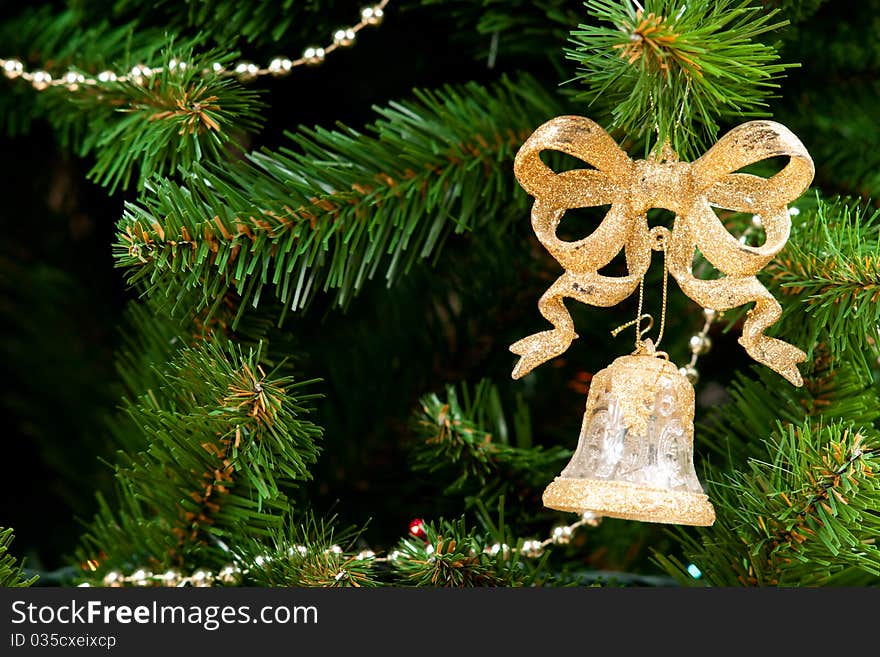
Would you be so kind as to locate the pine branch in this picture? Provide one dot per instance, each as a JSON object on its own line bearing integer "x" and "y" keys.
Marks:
{"x": 11, "y": 573}
{"x": 470, "y": 438}
{"x": 229, "y": 22}
{"x": 167, "y": 123}
{"x": 452, "y": 555}
{"x": 148, "y": 357}
{"x": 150, "y": 343}
{"x": 804, "y": 515}
{"x": 58, "y": 42}
{"x": 671, "y": 72}
{"x": 176, "y": 116}
{"x": 223, "y": 441}
{"x": 841, "y": 130}
{"x": 306, "y": 552}
{"x": 330, "y": 213}
{"x": 150, "y": 337}
{"x": 757, "y": 403}
{"x": 830, "y": 270}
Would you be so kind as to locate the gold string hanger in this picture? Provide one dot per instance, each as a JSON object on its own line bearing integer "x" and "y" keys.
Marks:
{"x": 660, "y": 239}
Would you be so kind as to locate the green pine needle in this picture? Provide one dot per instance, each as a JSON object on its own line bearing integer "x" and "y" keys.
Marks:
{"x": 230, "y": 22}
{"x": 465, "y": 437}
{"x": 829, "y": 274}
{"x": 304, "y": 551}
{"x": 169, "y": 122}
{"x": 223, "y": 442}
{"x": 330, "y": 213}
{"x": 11, "y": 575}
{"x": 452, "y": 555}
{"x": 803, "y": 514}
{"x": 672, "y": 72}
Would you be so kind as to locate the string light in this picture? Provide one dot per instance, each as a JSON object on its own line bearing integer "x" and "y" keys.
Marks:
{"x": 231, "y": 575}
{"x": 343, "y": 37}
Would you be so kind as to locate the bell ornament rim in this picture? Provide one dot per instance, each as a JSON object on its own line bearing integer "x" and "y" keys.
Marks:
{"x": 628, "y": 501}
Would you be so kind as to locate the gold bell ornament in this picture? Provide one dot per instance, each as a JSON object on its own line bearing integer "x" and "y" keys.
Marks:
{"x": 634, "y": 457}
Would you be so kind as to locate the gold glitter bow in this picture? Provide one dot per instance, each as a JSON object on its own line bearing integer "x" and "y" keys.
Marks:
{"x": 687, "y": 189}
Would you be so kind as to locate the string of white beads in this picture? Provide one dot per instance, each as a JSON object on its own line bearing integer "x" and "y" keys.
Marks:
{"x": 699, "y": 344}
{"x": 231, "y": 575}
{"x": 140, "y": 74}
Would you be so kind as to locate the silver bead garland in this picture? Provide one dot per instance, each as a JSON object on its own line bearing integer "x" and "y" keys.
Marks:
{"x": 343, "y": 37}
{"x": 231, "y": 575}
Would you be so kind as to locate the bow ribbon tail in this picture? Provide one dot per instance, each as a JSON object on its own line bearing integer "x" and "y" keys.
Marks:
{"x": 779, "y": 356}
{"x": 740, "y": 285}
{"x": 732, "y": 292}
{"x": 589, "y": 288}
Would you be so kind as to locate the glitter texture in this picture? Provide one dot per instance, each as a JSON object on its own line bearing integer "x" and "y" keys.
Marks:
{"x": 634, "y": 458}
{"x": 690, "y": 190}
{"x": 620, "y": 499}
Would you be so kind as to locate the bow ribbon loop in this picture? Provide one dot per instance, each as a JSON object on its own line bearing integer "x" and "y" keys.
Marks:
{"x": 748, "y": 144}
{"x": 690, "y": 190}
{"x": 579, "y": 188}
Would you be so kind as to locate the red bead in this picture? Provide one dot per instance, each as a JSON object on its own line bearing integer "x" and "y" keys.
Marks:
{"x": 417, "y": 528}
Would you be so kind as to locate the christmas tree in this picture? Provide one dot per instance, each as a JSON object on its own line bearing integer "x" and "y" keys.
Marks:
{"x": 263, "y": 265}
